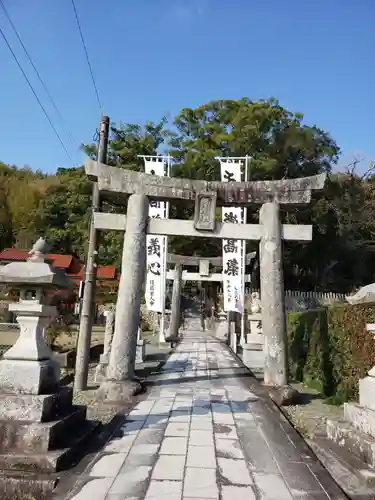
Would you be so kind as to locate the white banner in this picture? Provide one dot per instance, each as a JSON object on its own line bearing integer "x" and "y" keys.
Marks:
{"x": 233, "y": 272}
{"x": 156, "y": 245}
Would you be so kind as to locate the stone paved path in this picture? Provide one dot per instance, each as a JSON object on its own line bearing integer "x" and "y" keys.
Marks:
{"x": 201, "y": 434}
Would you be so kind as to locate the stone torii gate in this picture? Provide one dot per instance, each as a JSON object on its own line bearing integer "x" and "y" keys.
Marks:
{"x": 120, "y": 383}
{"x": 204, "y": 275}
{"x": 203, "y": 263}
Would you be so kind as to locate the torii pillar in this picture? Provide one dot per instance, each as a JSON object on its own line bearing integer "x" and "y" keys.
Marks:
{"x": 272, "y": 297}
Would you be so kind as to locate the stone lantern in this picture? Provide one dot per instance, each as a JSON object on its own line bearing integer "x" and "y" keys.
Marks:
{"x": 41, "y": 431}
{"x": 28, "y": 367}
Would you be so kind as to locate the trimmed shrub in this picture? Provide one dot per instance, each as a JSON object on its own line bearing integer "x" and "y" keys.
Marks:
{"x": 330, "y": 349}
{"x": 352, "y": 347}
{"x": 309, "y": 359}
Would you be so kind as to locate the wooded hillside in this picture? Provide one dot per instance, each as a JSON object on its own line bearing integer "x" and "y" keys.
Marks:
{"x": 341, "y": 254}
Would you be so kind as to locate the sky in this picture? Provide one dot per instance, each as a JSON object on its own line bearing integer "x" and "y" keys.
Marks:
{"x": 154, "y": 57}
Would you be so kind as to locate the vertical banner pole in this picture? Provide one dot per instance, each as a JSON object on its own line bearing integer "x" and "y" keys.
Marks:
{"x": 157, "y": 246}
{"x": 232, "y": 249}
{"x": 234, "y": 252}
{"x": 164, "y": 276}
{"x": 243, "y": 340}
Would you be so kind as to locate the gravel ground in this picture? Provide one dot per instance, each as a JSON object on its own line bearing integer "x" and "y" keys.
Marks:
{"x": 155, "y": 356}
{"x": 310, "y": 417}
{"x": 104, "y": 413}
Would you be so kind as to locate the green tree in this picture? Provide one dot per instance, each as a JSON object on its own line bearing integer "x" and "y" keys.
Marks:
{"x": 6, "y": 235}
{"x": 64, "y": 213}
{"x": 128, "y": 141}
{"x": 22, "y": 191}
{"x": 341, "y": 254}
{"x": 279, "y": 143}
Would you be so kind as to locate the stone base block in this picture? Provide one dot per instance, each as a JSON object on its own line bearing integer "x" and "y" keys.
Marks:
{"x": 255, "y": 338}
{"x": 54, "y": 460}
{"x": 104, "y": 359}
{"x": 360, "y": 444}
{"x": 255, "y": 327}
{"x": 362, "y": 419}
{"x": 35, "y": 408}
{"x": 23, "y": 485}
{"x": 40, "y": 437}
{"x": 253, "y": 356}
{"x": 367, "y": 392}
{"x": 141, "y": 352}
{"x": 100, "y": 372}
{"x": 29, "y": 377}
{"x": 118, "y": 393}
{"x": 355, "y": 477}
{"x": 221, "y": 330}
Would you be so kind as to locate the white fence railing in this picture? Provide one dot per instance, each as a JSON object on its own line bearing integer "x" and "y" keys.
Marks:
{"x": 9, "y": 327}
{"x": 296, "y": 300}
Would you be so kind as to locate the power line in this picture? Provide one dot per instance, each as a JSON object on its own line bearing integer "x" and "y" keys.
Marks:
{"x": 35, "y": 95}
{"x": 37, "y": 72}
{"x": 87, "y": 57}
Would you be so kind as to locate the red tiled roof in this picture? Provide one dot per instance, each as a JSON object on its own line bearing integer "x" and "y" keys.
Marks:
{"x": 106, "y": 272}
{"x": 13, "y": 254}
{"x": 103, "y": 273}
{"x": 62, "y": 261}
{"x": 58, "y": 260}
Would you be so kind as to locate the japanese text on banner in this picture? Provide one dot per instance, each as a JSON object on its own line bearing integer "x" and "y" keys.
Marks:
{"x": 232, "y": 249}
{"x": 156, "y": 245}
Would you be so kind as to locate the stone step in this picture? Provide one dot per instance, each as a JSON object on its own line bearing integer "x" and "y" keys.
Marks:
{"x": 361, "y": 418}
{"x": 253, "y": 346}
{"x": 355, "y": 477}
{"x": 51, "y": 461}
{"x": 345, "y": 435}
{"x": 40, "y": 436}
{"x": 35, "y": 408}
{"x": 21, "y": 485}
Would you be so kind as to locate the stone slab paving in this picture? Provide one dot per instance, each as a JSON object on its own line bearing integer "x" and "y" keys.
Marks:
{"x": 202, "y": 434}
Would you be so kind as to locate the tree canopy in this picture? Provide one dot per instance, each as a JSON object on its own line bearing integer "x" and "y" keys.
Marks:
{"x": 280, "y": 145}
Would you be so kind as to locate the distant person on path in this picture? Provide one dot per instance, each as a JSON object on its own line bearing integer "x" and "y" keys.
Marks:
{"x": 182, "y": 318}
{"x": 202, "y": 311}
{"x": 183, "y": 306}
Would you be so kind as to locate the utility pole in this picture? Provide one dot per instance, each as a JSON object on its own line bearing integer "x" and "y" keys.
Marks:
{"x": 87, "y": 311}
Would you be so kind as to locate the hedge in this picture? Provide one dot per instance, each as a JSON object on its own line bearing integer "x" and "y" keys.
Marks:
{"x": 330, "y": 349}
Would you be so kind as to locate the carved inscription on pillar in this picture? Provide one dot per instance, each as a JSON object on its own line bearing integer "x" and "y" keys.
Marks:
{"x": 204, "y": 216}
